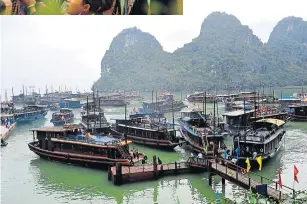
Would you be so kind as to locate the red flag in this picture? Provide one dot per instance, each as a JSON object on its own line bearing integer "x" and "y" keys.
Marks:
{"x": 279, "y": 178}
{"x": 295, "y": 174}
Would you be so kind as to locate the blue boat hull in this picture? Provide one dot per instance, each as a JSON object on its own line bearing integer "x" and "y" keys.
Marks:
{"x": 31, "y": 118}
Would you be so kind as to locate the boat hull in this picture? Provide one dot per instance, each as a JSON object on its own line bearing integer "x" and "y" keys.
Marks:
{"x": 61, "y": 122}
{"x": 298, "y": 118}
{"x": 159, "y": 144}
{"x": 77, "y": 159}
{"x": 31, "y": 118}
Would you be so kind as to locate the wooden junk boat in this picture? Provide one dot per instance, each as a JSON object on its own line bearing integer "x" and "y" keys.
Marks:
{"x": 148, "y": 131}
{"x": 164, "y": 104}
{"x": 62, "y": 117}
{"x": 67, "y": 144}
{"x": 263, "y": 139}
{"x": 201, "y": 133}
{"x": 95, "y": 121}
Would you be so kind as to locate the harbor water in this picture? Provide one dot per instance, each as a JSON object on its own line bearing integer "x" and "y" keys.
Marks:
{"x": 25, "y": 178}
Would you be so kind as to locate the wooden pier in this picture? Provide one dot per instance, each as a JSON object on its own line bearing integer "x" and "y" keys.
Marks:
{"x": 232, "y": 173}
{"x": 215, "y": 166}
{"x": 126, "y": 174}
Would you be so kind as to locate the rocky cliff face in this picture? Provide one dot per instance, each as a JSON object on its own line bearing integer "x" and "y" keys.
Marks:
{"x": 225, "y": 54}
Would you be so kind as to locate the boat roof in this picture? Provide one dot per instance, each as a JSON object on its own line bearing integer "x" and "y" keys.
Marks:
{"x": 297, "y": 105}
{"x": 68, "y": 109}
{"x": 6, "y": 115}
{"x": 65, "y": 128}
{"x": 101, "y": 144}
{"x": 272, "y": 121}
{"x": 190, "y": 110}
{"x": 237, "y": 113}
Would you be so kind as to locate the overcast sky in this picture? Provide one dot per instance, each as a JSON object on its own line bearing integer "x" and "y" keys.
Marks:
{"x": 59, "y": 50}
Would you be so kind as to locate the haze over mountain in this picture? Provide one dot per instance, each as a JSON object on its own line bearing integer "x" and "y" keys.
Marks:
{"x": 225, "y": 54}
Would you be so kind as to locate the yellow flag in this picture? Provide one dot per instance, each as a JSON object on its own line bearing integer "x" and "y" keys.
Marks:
{"x": 248, "y": 165}
{"x": 259, "y": 160}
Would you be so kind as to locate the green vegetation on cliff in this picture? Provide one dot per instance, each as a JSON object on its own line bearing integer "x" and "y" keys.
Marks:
{"x": 225, "y": 54}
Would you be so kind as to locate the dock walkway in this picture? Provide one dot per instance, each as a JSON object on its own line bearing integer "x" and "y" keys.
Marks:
{"x": 215, "y": 166}
{"x": 245, "y": 180}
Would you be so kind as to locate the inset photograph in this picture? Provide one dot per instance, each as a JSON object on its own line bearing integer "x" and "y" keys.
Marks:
{"x": 91, "y": 7}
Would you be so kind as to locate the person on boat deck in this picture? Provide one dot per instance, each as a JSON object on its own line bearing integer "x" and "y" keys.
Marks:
{"x": 2, "y": 141}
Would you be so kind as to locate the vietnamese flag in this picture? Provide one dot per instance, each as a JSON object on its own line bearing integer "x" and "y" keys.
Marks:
{"x": 295, "y": 174}
{"x": 279, "y": 178}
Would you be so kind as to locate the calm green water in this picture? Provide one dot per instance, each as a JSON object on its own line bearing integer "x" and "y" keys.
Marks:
{"x": 25, "y": 178}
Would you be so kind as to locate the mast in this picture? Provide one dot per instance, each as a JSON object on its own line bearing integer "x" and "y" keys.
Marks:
{"x": 205, "y": 103}
{"x": 255, "y": 104}
{"x": 214, "y": 117}
{"x": 6, "y": 99}
{"x": 12, "y": 92}
{"x": 94, "y": 101}
{"x": 173, "y": 115}
{"x": 217, "y": 113}
{"x": 152, "y": 100}
{"x": 87, "y": 113}
{"x": 244, "y": 126}
{"x": 181, "y": 95}
{"x": 262, "y": 94}
{"x": 99, "y": 113}
{"x": 156, "y": 102}
{"x": 273, "y": 96}
{"x": 125, "y": 112}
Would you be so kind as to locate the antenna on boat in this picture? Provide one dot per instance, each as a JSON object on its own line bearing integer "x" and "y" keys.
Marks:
{"x": 273, "y": 96}
{"x": 204, "y": 104}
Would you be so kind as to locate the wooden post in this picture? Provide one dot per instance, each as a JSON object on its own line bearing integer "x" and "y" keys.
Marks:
{"x": 226, "y": 169}
{"x": 249, "y": 182}
{"x": 155, "y": 166}
{"x": 176, "y": 168}
{"x": 276, "y": 185}
{"x": 279, "y": 195}
{"x": 223, "y": 181}
{"x": 261, "y": 180}
{"x": 109, "y": 173}
{"x": 118, "y": 177}
{"x": 293, "y": 194}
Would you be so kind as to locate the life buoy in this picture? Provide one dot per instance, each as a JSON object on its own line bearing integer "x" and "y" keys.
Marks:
{"x": 145, "y": 157}
{"x": 132, "y": 163}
